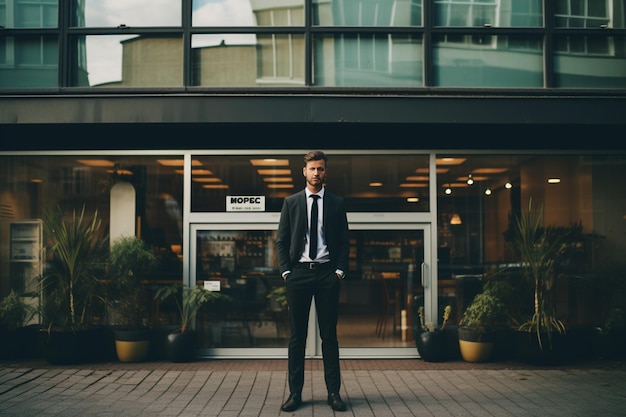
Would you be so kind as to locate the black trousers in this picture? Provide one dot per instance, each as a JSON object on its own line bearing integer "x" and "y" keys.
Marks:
{"x": 322, "y": 285}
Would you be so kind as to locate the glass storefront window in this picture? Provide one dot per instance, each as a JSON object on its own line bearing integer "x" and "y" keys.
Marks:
{"x": 368, "y": 60}
{"x": 487, "y": 61}
{"x": 369, "y": 184}
{"x": 127, "y": 61}
{"x": 492, "y": 13}
{"x": 590, "y": 62}
{"x": 579, "y": 194}
{"x": 248, "y": 60}
{"x": 367, "y": 13}
{"x": 123, "y": 13}
{"x": 29, "y": 62}
{"x": 33, "y": 184}
{"x": 247, "y": 13}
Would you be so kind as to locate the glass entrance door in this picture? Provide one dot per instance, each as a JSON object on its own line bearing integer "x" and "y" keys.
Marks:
{"x": 381, "y": 294}
{"x": 378, "y": 300}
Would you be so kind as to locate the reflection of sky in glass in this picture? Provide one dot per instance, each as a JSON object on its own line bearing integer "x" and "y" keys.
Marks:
{"x": 104, "y": 53}
{"x": 112, "y": 13}
{"x": 104, "y": 58}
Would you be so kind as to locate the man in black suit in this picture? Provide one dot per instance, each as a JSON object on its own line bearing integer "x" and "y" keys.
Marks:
{"x": 312, "y": 264}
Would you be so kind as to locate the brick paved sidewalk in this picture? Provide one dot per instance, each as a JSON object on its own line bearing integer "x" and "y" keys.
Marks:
{"x": 377, "y": 388}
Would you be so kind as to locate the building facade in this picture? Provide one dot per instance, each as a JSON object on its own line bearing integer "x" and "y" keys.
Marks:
{"x": 442, "y": 120}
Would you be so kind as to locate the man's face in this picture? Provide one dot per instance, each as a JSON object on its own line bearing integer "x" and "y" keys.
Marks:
{"x": 315, "y": 174}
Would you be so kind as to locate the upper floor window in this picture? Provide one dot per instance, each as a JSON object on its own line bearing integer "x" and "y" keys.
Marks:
{"x": 248, "y": 13}
{"x": 28, "y": 13}
{"x": 589, "y": 13}
{"x": 367, "y": 13}
{"x": 471, "y": 13}
{"x": 124, "y": 13}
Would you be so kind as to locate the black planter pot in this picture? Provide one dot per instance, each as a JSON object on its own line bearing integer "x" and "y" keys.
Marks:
{"x": 159, "y": 342}
{"x": 71, "y": 346}
{"x": 529, "y": 351}
{"x": 431, "y": 345}
{"x": 453, "y": 352}
{"x": 181, "y": 346}
{"x": 611, "y": 344}
{"x": 505, "y": 344}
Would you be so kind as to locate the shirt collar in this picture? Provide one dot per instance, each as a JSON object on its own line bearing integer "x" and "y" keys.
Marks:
{"x": 320, "y": 193}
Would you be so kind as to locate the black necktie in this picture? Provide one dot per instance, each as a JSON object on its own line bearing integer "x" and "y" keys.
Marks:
{"x": 313, "y": 229}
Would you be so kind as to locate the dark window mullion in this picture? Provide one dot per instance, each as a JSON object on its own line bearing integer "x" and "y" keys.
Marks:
{"x": 548, "y": 45}
{"x": 187, "y": 55}
{"x": 427, "y": 44}
{"x": 63, "y": 59}
{"x": 308, "y": 43}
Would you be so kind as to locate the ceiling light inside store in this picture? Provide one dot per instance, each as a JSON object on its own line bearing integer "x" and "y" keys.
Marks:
{"x": 278, "y": 179}
{"x": 470, "y": 180}
{"x": 215, "y": 186}
{"x": 206, "y": 179}
{"x": 508, "y": 185}
{"x": 96, "y": 162}
{"x": 274, "y": 172}
{"x": 375, "y": 184}
{"x": 412, "y": 200}
{"x": 554, "y": 180}
{"x": 178, "y": 162}
{"x": 417, "y": 178}
{"x": 450, "y": 161}
{"x": 195, "y": 171}
{"x": 437, "y": 170}
{"x": 488, "y": 191}
{"x": 275, "y": 186}
{"x": 455, "y": 219}
{"x": 270, "y": 162}
{"x": 489, "y": 170}
{"x": 413, "y": 185}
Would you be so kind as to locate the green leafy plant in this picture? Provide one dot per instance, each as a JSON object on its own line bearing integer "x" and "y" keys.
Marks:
{"x": 14, "y": 312}
{"x": 188, "y": 301}
{"x": 430, "y": 327}
{"x": 279, "y": 296}
{"x": 539, "y": 250}
{"x": 130, "y": 261}
{"x": 77, "y": 249}
{"x": 483, "y": 313}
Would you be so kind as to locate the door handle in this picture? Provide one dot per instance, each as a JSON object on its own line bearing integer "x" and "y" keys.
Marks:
{"x": 423, "y": 274}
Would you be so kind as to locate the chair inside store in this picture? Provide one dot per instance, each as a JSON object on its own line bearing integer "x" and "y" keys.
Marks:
{"x": 387, "y": 308}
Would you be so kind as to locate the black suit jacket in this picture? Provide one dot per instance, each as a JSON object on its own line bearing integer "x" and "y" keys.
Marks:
{"x": 292, "y": 228}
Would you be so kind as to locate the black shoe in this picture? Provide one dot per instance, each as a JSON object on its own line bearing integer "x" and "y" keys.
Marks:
{"x": 293, "y": 402}
{"x": 335, "y": 402}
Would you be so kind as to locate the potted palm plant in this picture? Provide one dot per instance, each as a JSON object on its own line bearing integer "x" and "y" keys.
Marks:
{"x": 180, "y": 343}
{"x": 430, "y": 340}
{"x": 71, "y": 287}
{"x": 131, "y": 261}
{"x": 539, "y": 249}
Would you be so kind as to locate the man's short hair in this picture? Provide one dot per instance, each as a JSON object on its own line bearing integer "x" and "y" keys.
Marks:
{"x": 315, "y": 156}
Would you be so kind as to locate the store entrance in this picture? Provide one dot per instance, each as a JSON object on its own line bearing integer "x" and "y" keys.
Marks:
{"x": 387, "y": 280}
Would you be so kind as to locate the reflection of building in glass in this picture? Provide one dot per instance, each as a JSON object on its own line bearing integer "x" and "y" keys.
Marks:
{"x": 466, "y": 47}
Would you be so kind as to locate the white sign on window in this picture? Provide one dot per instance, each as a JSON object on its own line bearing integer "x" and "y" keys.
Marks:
{"x": 212, "y": 285}
{"x": 245, "y": 203}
